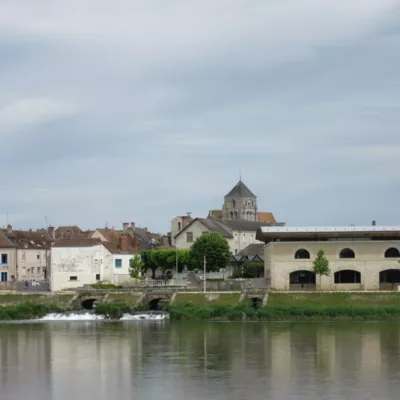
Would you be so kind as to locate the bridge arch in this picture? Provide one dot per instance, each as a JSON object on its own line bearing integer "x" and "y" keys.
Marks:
{"x": 88, "y": 304}
{"x": 157, "y": 303}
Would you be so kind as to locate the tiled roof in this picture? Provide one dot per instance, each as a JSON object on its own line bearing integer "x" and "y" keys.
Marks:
{"x": 241, "y": 190}
{"x": 67, "y": 231}
{"x": 215, "y": 213}
{"x": 212, "y": 225}
{"x": 30, "y": 239}
{"x": 240, "y": 224}
{"x": 5, "y": 242}
{"x": 110, "y": 235}
{"x": 267, "y": 217}
{"x": 114, "y": 248}
{"x": 83, "y": 242}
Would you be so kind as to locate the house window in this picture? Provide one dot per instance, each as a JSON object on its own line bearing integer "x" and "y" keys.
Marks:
{"x": 179, "y": 226}
{"x": 97, "y": 277}
{"x": 189, "y": 237}
{"x": 118, "y": 262}
{"x": 4, "y": 276}
{"x": 23, "y": 271}
{"x": 23, "y": 256}
{"x": 4, "y": 259}
{"x": 73, "y": 278}
{"x": 38, "y": 257}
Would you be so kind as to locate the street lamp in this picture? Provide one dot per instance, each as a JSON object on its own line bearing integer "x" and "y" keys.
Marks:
{"x": 205, "y": 279}
{"x": 176, "y": 263}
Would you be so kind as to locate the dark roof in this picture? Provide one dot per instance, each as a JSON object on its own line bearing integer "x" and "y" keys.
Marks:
{"x": 5, "y": 242}
{"x": 215, "y": 226}
{"x": 240, "y": 224}
{"x": 241, "y": 190}
{"x": 254, "y": 249}
{"x": 67, "y": 231}
{"x": 211, "y": 224}
{"x": 82, "y": 242}
{"x": 30, "y": 239}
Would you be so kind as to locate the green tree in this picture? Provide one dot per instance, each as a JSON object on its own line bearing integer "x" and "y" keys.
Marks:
{"x": 214, "y": 247}
{"x": 164, "y": 260}
{"x": 321, "y": 265}
{"x": 136, "y": 267}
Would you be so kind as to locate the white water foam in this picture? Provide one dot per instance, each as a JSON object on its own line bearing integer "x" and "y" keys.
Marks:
{"x": 87, "y": 316}
{"x": 130, "y": 317}
{"x": 72, "y": 317}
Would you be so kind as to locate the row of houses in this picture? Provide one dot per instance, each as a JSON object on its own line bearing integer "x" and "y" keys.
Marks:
{"x": 68, "y": 257}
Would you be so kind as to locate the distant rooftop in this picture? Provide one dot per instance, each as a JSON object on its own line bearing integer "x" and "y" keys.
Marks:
{"x": 292, "y": 233}
{"x": 318, "y": 229}
{"x": 241, "y": 190}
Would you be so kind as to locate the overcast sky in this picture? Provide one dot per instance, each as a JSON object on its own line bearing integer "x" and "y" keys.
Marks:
{"x": 143, "y": 110}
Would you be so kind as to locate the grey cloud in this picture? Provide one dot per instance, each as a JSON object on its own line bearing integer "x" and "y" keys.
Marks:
{"x": 142, "y": 112}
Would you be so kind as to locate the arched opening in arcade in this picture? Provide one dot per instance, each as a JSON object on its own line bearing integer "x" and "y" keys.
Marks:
{"x": 389, "y": 279}
{"x": 347, "y": 276}
{"x": 302, "y": 280}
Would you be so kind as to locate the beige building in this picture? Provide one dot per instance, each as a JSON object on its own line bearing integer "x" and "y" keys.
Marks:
{"x": 8, "y": 256}
{"x": 360, "y": 258}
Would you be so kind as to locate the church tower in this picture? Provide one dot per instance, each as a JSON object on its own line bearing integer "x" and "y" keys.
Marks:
{"x": 240, "y": 203}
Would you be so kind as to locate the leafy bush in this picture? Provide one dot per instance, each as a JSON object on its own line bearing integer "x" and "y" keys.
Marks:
{"x": 105, "y": 286}
{"x": 113, "y": 310}
{"x": 27, "y": 311}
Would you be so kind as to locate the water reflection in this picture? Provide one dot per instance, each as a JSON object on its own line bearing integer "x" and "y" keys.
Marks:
{"x": 97, "y": 360}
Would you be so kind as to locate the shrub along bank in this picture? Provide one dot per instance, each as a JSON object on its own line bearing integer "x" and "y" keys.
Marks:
{"x": 28, "y": 311}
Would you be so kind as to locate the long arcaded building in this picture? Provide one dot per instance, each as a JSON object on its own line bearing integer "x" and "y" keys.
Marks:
{"x": 360, "y": 257}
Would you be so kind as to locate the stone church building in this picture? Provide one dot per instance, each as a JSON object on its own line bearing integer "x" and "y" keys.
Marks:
{"x": 237, "y": 221}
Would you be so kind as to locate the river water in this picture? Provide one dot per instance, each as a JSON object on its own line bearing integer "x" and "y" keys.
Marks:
{"x": 161, "y": 360}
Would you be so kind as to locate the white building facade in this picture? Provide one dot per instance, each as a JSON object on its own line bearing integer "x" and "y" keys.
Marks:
{"x": 78, "y": 263}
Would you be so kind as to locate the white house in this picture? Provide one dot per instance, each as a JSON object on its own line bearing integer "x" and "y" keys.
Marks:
{"x": 78, "y": 262}
{"x": 238, "y": 233}
{"x": 8, "y": 255}
{"x": 123, "y": 245}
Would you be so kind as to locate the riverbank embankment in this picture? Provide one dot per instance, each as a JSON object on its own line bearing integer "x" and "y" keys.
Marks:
{"x": 218, "y": 306}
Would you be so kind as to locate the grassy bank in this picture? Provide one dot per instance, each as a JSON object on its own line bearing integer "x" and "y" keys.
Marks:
{"x": 202, "y": 299}
{"x": 24, "y": 311}
{"x": 328, "y": 300}
{"x": 191, "y": 311}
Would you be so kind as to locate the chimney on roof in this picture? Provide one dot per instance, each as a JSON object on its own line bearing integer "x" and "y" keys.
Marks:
{"x": 124, "y": 242}
{"x": 52, "y": 232}
{"x": 146, "y": 229}
{"x": 373, "y": 223}
{"x": 9, "y": 228}
{"x": 133, "y": 225}
{"x": 125, "y": 226}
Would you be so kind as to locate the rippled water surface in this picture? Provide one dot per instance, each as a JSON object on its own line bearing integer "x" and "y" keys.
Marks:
{"x": 163, "y": 360}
